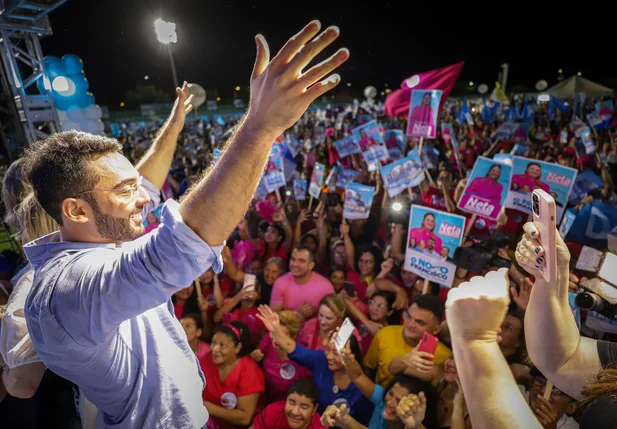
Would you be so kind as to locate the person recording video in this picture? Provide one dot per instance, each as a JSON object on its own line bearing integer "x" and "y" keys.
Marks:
{"x": 576, "y": 365}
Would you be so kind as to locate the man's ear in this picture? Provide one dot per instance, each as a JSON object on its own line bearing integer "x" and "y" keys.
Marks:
{"x": 76, "y": 210}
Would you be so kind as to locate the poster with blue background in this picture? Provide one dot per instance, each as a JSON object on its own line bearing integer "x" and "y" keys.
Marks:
{"x": 530, "y": 174}
{"x": 402, "y": 174}
{"x": 316, "y": 180}
{"x": 585, "y": 182}
{"x": 300, "y": 188}
{"x": 358, "y": 201}
{"x": 423, "y": 112}
{"x": 345, "y": 175}
{"x": 346, "y": 146}
{"x": 592, "y": 225}
{"x": 433, "y": 237}
{"x": 368, "y": 135}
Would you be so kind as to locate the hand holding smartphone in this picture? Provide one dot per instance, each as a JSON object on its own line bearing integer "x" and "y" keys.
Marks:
{"x": 249, "y": 282}
{"x": 343, "y": 334}
{"x": 544, "y": 219}
{"x": 428, "y": 344}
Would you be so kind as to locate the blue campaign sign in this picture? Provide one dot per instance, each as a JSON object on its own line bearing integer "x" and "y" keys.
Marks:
{"x": 434, "y": 232}
{"x": 593, "y": 224}
{"x": 566, "y": 223}
{"x": 585, "y": 182}
{"x": 402, "y": 174}
{"x": 358, "y": 201}
{"x": 300, "y": 188}
{"x": 346, "y": 146}
{"x": 316, "y": 180}
{"x": 345, "y": 176}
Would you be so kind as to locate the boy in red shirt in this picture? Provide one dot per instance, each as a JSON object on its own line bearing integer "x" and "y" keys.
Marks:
{"x": 298, "y": 411}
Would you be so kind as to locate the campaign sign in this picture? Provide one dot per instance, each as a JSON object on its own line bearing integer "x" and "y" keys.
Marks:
{"x": 373, "y": 155}
{"x": 396, "y": 143}
{"x": 368, "y": 135}
{"x": 585, "y": 182}
{"x": 316, "y": 180}
{"x": 346, "y": 146}
{"x": 487, "y": 188}
{"x": 566, "y": 223}
{"x": 593, "y": 224}
{"x": 300, "y": 188}
{"x": 345, "y": 176}
{"x": 430, "y": 267}
{"x": 448, "y": 135}
{"x": 435, "y": 232}
{"x": 423, "y": 111}
{"x": 402, "y": 174}
{"x": 530, "y": 174}
{"x": 504, "y": 158}
{"x": 274, "y": 180}
{"x": 358, "y": 201}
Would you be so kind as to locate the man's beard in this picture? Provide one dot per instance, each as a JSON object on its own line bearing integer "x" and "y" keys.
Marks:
{"x": 115, "y": 228}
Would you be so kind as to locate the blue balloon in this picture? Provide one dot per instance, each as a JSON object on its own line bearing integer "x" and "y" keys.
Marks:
{"x": 72, "y": 63}
{"x": 84, "y": 100}
{"x": 81, "y": 84}
{"x": 53, "y": 68}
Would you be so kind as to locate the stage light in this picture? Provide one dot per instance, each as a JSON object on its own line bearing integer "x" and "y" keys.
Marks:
{"x": 397, "y": 207}
{"x": 165, "y": 31}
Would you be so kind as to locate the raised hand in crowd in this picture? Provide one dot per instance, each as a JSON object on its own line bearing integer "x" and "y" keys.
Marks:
{"x": 523, "y": 294}
{"x": 411, "y": 410}
{"x": 419, "y": 361}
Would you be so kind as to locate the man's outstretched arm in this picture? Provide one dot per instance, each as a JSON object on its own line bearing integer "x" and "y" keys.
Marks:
{"x": 280, "y": 94}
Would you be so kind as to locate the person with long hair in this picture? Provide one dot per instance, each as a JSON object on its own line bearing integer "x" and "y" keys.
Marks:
{"x": 235, "y": 389}
{"x": 422, "y": 116}
{"x": 530, "y": 180}
{"x": 488, "y": 186}
{"x": 425, "y": 233}
{"x": 328, "y": 370}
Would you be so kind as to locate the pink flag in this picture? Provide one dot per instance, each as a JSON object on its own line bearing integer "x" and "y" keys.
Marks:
{"x": 397, "y": 103}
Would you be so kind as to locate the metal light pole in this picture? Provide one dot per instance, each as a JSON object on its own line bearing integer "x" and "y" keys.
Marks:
{"x": 166, "y": 34}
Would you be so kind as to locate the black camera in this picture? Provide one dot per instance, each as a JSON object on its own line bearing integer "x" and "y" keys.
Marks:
{"x": 483, "y": 254}
{"x": 535, "y": 204}
{"x": 596, "y": 295}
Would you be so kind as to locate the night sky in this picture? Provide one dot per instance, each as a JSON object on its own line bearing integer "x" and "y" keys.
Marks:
{"x": 389, "y": 41}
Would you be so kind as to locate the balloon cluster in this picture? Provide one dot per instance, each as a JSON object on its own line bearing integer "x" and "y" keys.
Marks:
{"x": 66, "y": 81}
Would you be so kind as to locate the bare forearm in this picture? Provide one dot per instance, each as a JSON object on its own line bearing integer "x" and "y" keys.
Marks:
{"x": 234, "y": 416}
{"x": 397, "y": 366}
{"x": 155, "y": 164}
{"x": 355, "y": 311}
{"x": 215, "y": 205}
{"x": 553, "y": 339}
{"x": 226, "y": 308}
{"x": 23, "y": 381}
{"x": 488, "y": 384}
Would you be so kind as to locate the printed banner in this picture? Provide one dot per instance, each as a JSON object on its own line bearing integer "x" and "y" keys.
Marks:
{"x": 587, "y": 139}
{"x": 396, "y": 143}
{"x": 566, "y": 223}
{"x": 423, "y": 111}
{"x": 358, "y": 201}
{"x": 373, "y": 155}
{"x": 345, "y": 176}
{"x": 487, "y": 188}
{"x": 434, "y": 232}
{"x": 503, "y": 158}
{"x": 300, "y": 188}
{"x": 505, "y": 130}
{"x": 316, "y": 180}
{"x": 593, "y": 224}
{"x": 585, "y": 182}
{"x": 368, "y": 135}
{"x": 528, "y": 175}
{"x": 346, "y": 146}
{"x": 402, "y": 174}
{"x": 274, "y": 180}
{"x": 448, "y": 135}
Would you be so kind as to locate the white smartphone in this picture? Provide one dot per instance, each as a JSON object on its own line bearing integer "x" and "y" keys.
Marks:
{"x": 544, "y": 219}
{"x": 608, "y": 270}
{"x": 249, "y": 282}
{"x": 343, "y": 334}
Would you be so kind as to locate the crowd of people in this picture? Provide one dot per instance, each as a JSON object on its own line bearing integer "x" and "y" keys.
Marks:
{"x": 261, "y": 322}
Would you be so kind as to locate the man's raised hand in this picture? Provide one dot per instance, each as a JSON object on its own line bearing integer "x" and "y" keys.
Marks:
{"x": 280, "y": 90}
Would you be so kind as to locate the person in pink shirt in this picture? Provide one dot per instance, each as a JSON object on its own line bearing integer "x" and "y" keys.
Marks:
{"x": 417, "y": 236}
{"x": 530, "y": 180}
{"x": 300, "y": 289}
{"x": 488, "y": 187}
{"x": 366, "y": 140}
{"x": 193, "y": 327}
{"x": 422, "y": 115}
{"x": 281, "y": 372}
{"x": 153, "y": 222}
{"x": 316, "y": 333}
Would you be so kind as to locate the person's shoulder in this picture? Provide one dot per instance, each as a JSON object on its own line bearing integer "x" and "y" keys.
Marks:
{"x": 442, "y": 352}
{"x": 389, "y": 331}
{"x": 282, "y": 280}
{"x": 249, "y": 365}
{"x": 318, "y": 278}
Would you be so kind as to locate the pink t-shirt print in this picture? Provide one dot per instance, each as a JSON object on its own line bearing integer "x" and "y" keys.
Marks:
{"x": 423, "y": 234}
{"x": 486, "y": 188}
{"x": 528, "y": 184}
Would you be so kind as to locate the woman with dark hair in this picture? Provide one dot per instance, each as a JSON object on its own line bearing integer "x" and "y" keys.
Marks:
{"x": 530, "y": 180}
{"x": 488, "y": 186}
{"x": 185, "y": 301}
{"x": 421, "y": 236}
{"x": 328, "y": 370}
{"x": 193, "y": 327}
{"x": 236, "y": 385}
{"x": 369, "y": 265}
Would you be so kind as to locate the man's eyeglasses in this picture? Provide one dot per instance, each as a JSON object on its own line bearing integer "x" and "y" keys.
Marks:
{"x": 127, "y": 192}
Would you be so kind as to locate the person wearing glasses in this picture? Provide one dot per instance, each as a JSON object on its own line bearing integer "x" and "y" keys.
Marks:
{"x": 551, "y": 413}
{"x": 392, "y": 350}
{"x": 99, "y": 312}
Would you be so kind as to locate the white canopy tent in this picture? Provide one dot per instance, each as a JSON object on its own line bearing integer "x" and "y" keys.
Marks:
{"x": 576, "y": 84}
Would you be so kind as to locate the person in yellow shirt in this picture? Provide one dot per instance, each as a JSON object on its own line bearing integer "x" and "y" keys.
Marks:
{"x": 393, "y": 349}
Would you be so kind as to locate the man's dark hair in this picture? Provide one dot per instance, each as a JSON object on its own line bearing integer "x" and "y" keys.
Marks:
{"x": 306, "y": 249}
{"x": 58, "y": 167}
{"x": 432, "y": 304}
{"x": 305, "y": 387}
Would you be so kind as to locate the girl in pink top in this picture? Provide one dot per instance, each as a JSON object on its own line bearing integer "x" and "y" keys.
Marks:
{"x": 316, "y": 333}
{"x": 193, "y": 327}
{"x": 530, "y": 180}
{"x": 280, "y": 371}
{"x": 153, "y": 222}
{"x": 419, "y": 237}
{"x": 488, "y": 187}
